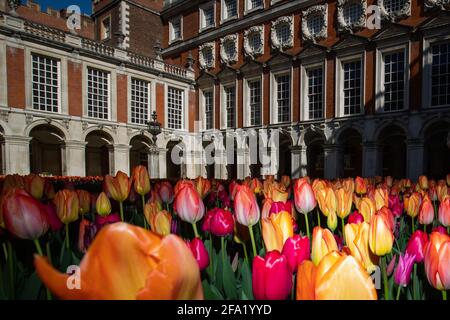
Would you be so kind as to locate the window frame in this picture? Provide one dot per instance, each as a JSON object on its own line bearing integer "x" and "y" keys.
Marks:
{"x": 223, "y": 17}
{"x": 274, "y": 94}
{"x": 203, "y": 108}
{"x": 224, "y": 105}
{"x": 102, "y": 28}
{"x": 304, "y": 112}
{"x": 150, "y": 98}
{"x": 247, "y": 106}
{"x": 184, "y": 99}
{"x": 171, "y": 29}
{"x": 248, "y": 10}
{"x": 109, "y": 97}
{"x": 202, "y": 20}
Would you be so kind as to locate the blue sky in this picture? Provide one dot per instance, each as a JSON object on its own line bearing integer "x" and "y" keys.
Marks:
{"x": 85, "y": 5}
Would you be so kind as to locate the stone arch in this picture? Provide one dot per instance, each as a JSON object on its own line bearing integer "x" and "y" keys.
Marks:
{"x": 99, "y": 153}
{"x": 437, "y": 149}
{"x": 284, "y": 154}
{"x": 392, "y": 147}
{"x": 175, "y": 167}
{"x": 390, "y": 123}
{"x": 55, "y": 124}
{"x": 139, "y": 151}
{"x": 108, "y": 131}
{"x": 47, "y": 152}
{"x": 350, "y": 139}
{"x": 314, "y": 141}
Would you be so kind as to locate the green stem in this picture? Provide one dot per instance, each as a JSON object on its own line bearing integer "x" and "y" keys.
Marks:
{"x": 143, "y": 206}
{"x": 222, "y": 248}
{"x": 194, "y": 226}
{"x": 67, "y": 236}
{"x": 444, "y": 295}
{"x": 211, "y": 260}
{"x": 245, "y": 252}
{"x": 121, "y": 211}
{"x": 307, "y": 226}
{"x": 448, "y": 230}
{"x": 385, "y": 278}
{"x": 294, "y": 287}
{"x": 38, "y": 247}
{"x": 49, "y": 253}
{"x": 343, "y": 230}
{"x": 252, "y": 237}
{"x": 318, "y": 217}
{"x": 412, "y": 224}
{"x": 414, "y": 281}
{"x": 425, "y": 228}
{"x": 398, "y": 292}
{"x": 39, "y": 250}
{"x": 11, "y": 270}
{"x": 5, "y": 251}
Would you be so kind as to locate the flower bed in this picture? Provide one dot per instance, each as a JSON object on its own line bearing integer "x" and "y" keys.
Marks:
{"x": 131, "y": 238}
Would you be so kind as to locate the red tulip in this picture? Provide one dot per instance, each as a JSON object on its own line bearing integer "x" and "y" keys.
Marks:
{"x": 440, "y": 229}
{"x": 199, "y": 252}
{"x": 52, "y": 217}
{"x": 245, "y": 206}
{"x": 272, "y": 277}
{"x": 188, "y": 205}
{"x": 296, "y": 249}
{"x": 416, "y": 245}
{"x": 305, "y": 201}
{"x": 426, "y": 213}
{"x": 279, "y": 206}
{"x": 222, "y": 223}
{"x": 437, "y": 261}
{"x": 444, "y": 211}
{"x": 356, "y": 218}
{"x": 141, "y": 180}
{"x": 101, "y": 221}
{"x": 23, "y": 215}
{"x": 206, "y": 225}
{"x": 402, "y": 274}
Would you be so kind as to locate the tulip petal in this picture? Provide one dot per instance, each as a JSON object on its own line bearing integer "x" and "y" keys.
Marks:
{"x": 306, "y": 276}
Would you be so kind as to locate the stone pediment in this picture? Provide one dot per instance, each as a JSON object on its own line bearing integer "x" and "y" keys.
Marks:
{"x": 350, "y": 41}
{"x": 392, "y": 31}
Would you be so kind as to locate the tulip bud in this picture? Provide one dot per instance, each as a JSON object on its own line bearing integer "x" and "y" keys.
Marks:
{"x": 23, "y": 215}
{"x": 67, "y": 205}
{"x": 391, "y": 265}
{"x": 344, "y": 202}
{"x": 52, "y": 217}
{"x": 245, "y": 207}
{"x": 332, "y": 221}
{"x": 199, "y": 252}
{"x": 34, "y": 185}
{"x": 305, "y": 200}
{"x": 412, "y": 205}
{"x": 416, "y": 245}
{"x": 103, "y": 205}
{"x": 222, "y": 223}
{"x": 360, "y": 186}
{"x": 118, "y": 187}
{"x": 296, "y": 249}
{"x": 141, "y": 180}
{"x": 323, "y": 242}
{"x": 423, "y": 182}
{"x": 381, "y": 237}
{"x": 444, "y": 211}
{"x": 356, "y": 218}
{"x": 381, "y": 198}
{"x": 49, "y": 190}
{"x": 161, "y": 223}
{"x": 271, "y": 278}
{"x": 437, "y": 261}
{"x": 402, "y": 274}
{"x": 84, "y": 199}
{"x": 203, "y": 186}
{"x": 188, "y": 205}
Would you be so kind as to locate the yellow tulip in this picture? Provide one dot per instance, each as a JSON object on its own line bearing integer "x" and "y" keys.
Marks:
{"x": 323, "y": 242}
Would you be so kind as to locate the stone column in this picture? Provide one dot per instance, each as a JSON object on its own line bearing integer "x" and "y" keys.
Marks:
{"x": 120, "y": 159}
{"x": 75, "y": 158}
{"x": 415, "y": 158}
{"x": 297, "y": 166}
{"x": 371, "y": 165}
{"x": 17, "y": 155}
{"x": 153, "y": 162}
{"x": 241, "y": 163}
{"x": 334, "y": 163}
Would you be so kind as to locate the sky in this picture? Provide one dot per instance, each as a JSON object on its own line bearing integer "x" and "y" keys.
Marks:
{"x": 85, "y": 5}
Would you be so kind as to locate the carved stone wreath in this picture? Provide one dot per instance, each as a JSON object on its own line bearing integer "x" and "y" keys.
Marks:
{"x": 357, "y": 25}
{"x": 204, "y": 49}
{"x": 279, "y": 43}
{"x": 254, "y": 31}
{"x": 224, "y": 55}
{"x": 321, "y": 10}
{"x": 438, "y": 4}
{"x": 404, "y": 12}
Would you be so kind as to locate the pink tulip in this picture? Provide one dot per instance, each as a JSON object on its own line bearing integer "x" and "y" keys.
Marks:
{"x": 279, "y": 206}
{"x": 402, "y": 274}
{"x": 391, "y": 266}
{"x": 305, "y": 201}
{"x": 100, "y": 221}
{"x": 199, "y": 252}
{"x": 416, "y": 245}
{"x": 52, "y": 217}
{"x": 245, "y": 206}
{"x": 440, "y": 229}
{"x": 272, "y": 277}
{"x": 296, "y": 249}
{"x": 166, "y": 192}
{"x": 188, "y": 205}
{"x": 356, "y": 218}
{"x": 222, "y": 223}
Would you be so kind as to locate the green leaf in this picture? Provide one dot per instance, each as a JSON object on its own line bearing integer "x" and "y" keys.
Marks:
{"x": 30, "y": 288}
{"x": 246, "y": 281}
{"x": 229, "y": 280}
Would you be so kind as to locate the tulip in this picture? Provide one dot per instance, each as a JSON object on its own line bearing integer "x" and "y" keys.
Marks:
{"x": 423, "y": 182}
{"x": 442, "y": 192}
{"x": 344, "y": 202}
{"x": 166, "y": 192}
{"x": 277, "y": 229}
{"x": 327, "y": 201}
{"x": 67, "y": 209}
{"x": 349, "y": 185}
{"x": 245, "y": 206}
{"x": 206, "y": 225}
{"x": 150, "y": 210}
{"x": 402, "y": 274}
{"x": 412, "y": 206}
{"x": 127, "y": 262}
{"x": 266, "y": 206}
{"x": 323, "y": 242}
{"x": 272, "y": 278}
{"x": 199, "y": 252}
{"x": 381, "y": 237}
{"x": 84, "y": 200}
{"x": 34, "y": 185}
{"x": 441, "y": 230}
{"x": 426, "y": 213}
{"x": 337, "y": 277}
{"x": 24, "y": 217}
{"x": 444, "y": 212}
{"x": 203, "y": 186}
{"x": 286, "y": 181}
{"x": 141, "y": 180}
{"x": 86, "y": 235}
{"x": 256, "y": 186}
{"x": 49, "y": 190}
{"x": 222, "y": 223}
{"x": 118, "y": 188}
{"x": 448, "y": 179}
{"x": 395, "y": 205}
{"x": 416, "y": 245}
{"x": 305, "y": 200}
{"x": 189, "y": 206}
{"x": 355, "y": 217}
{"x": 100, "y": 221}
{"x": 381, "y": 198}
{"x": 357, "y": 239}
{"x": 278, "y": 207}
{"x": 391, "y": 265}
{"x": 161, "y": 223}
{"x": 277, "y": 192}
{"x": 360, "y": 186}
{"x": 332, "y": 221}
{"x": 103, "y": 205}
{"x": 367, "y": 208}
{"x": 232, "y": 188}
{"x": 437, "y": 261}
{"x": 52, "y": 218}
{"x": 296, "y": 249}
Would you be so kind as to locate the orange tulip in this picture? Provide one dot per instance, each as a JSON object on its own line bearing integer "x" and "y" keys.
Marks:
{"x": 266, "y": 205}
{"x": 318, "y": 184}
{"x": 381, "y": 198}
{"x": 127, "y": 262}
{"x": 84, "y": 199}
{"x": 13, "y": 181}
{"x": 323, "y": 242}
{"x": 103, "y": 205}
{"x": 389, "y": 181}
{"x": 344, "y": 202}
{"x": 256, "y": 186}
{"x": 426, "y": 213}
{"x": 150, "y": 209}
{"x": 141, "y": 180}
{"x": 442, "y": 191}
{"x": 277, "y": 192}
{"x": 349, "y": 185}
{"x": 423, "y": 182}
{"x": 412, "y": 205}
{"x": 118, "y": 187}
{"x": 203, "y": 186}
{"x": 357, "y": 239}
{"x": 437, "y": 261}
{"x": 286, "y": 181}
{"x": 67, "y": 206}
{"x": 327, "y": 201}
{"x": 448, "y": 179}
{"x": 360, "y": 186}
{"x": 381, "y": 237}
{"x": 444, "y": 211}
{"x": 276, "y": 230}
{"x": 337, "y": 277}
{"x": 34, "y": 185}
{"x": 182, "y": 183}
{"x": 161, "y": 223}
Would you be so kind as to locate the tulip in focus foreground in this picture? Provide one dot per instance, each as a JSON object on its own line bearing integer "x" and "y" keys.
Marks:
{"x": 276, "y": 230}
{"x": 357, "y": 239}
{"x": 199, "y": 252}
{"x": 323, "y": 242}
{"x": 416, "y": 245}
{"x": 437, "y": 261}
{"x": 126, "y": 262}
{"x": 402, "y": 274}
{"x": 444, "y": 212}
{"x": 296, "y": 249}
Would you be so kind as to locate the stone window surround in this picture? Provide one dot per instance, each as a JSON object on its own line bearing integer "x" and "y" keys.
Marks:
{"x": 246, "y": 91}
{"x": 248, "y": 50}
{"x": 394, "y": 16}
{"x": 439, "y": 4}
{"x": 223, "y": 103}
{"x": 276, "y": 44}
{"x": 203, "y": 110}
{"x": 201, "y": 15}
{"x": 222, "y": 12}
{"x": 304, "y": 111}
{"x": 339, "y": 98}
{"x": 201, "y": 58}
{"x": 248, "y": 11}
{"x": 185, "y": 97}
{"x": 152, "y": 93}
{"x": 379, "y": 81}
{"x": 342, "y": 25}
{"x": 275, "y": 72}
{"x": 223, "y": 54}
{"x": 171, "y": 39}
{"x": 318, "y": 9}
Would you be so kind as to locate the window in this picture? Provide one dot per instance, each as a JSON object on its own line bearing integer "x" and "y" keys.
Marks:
{"x": 175, "y": 27}
{"x": 254, "y": 94}
{"x": 440, "y": 74}
{"x": 283, "y": 32}
{"x": 253, "y": 4}
{"x": 394, "y": 80}
{"x": 45, "y": 83}
{"x": 315, "y": 93}
{"x": 175, "y": 108}
{"x": 98, "y": 94}
{"x": 255, "y": 42}
{"x": 140, "y": 101}
{"x": 208, "y": 97}
{"x": 392, "y": 6}
{"x": 315, "y": 24}
{"x": 352, "y": 87}
{"x": 207, "y": 55}
{"x": 105, "y": 31}
{"x": 283, "y": 96}
{"x": 229, "y": 9}
{"x": 207, "y": 16}
{"x": 230, "y": 103}
{"x": 352, "y": 12}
